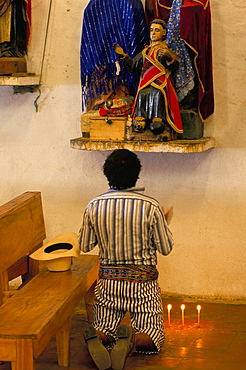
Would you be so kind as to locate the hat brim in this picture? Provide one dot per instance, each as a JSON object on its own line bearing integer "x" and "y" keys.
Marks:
{"x": 63, "y": 245}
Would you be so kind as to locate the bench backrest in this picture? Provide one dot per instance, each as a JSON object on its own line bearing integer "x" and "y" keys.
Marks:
{"x": 22, "y": 230}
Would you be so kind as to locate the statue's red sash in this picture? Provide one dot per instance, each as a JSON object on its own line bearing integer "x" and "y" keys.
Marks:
{"x": 156, "y": 75}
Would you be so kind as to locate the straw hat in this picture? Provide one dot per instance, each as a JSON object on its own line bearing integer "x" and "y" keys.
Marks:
{"x": 58, "y": 252}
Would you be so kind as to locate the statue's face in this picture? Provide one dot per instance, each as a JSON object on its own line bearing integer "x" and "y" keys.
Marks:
{"x": 157, "y": 32}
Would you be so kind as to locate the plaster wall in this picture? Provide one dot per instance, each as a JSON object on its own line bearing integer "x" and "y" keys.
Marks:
{"x": 207, "y": 190}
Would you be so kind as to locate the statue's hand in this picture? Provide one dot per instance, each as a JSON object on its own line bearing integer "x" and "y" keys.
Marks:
{"x": 164, "y": 53}
{"x": 118, "y": 49}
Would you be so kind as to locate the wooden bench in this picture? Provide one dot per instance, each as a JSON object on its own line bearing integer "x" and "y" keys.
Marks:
{"x": 22, "y": 232}
{"x": 43, "y": 307}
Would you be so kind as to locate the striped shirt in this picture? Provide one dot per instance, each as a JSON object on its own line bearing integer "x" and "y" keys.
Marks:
{"x": 128, "y": 227}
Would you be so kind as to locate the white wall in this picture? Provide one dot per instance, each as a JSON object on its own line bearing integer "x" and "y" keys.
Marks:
{"x": 207, "y": 190}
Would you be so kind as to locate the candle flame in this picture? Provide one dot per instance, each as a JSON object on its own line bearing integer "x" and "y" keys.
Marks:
{"x": 198, "y": 307}
{"x": 169, "y": 307}
{"x": 182, "y": 307}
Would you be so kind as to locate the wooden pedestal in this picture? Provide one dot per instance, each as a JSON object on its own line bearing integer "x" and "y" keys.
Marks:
{"x": 10, "y": 66}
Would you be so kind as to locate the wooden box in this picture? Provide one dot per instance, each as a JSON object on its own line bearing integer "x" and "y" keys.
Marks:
{"x": 107, "y": 128}
{"x": 85, "y": 122}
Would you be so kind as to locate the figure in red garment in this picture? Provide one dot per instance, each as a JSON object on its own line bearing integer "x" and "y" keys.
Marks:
{"x": 195, "y": 30}
{"x": 156, "y": 105}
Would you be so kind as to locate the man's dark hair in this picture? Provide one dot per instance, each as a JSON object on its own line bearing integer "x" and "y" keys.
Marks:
{"x": 122, "y": 168}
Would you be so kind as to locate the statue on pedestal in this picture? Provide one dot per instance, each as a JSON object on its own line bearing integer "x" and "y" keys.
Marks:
{"x": 156, "y": 105}
{"x": 189, "y": 27}
{"x": 14, "y": 27}
{"x": 170, "y": 80}
{"x": 106, "y": 22}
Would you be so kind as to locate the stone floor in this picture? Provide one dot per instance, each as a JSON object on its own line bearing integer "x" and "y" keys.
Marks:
{"x": 218, "y": 344}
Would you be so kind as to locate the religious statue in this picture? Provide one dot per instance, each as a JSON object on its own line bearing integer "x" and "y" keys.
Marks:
{"x": 14, "y": 27}
{"x": 106, "y": 22}
{"x": 189, "y": 37}
{"x": 156, "y": 104}
{"x": 167, "y": 86}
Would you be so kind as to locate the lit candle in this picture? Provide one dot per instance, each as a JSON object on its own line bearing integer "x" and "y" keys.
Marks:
{"x": 169, "y": 307}
{"x": 182, "y": 309}
{"x": 198, "y": 307}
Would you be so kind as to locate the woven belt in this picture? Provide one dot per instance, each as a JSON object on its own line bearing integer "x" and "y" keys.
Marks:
{"x": 131, "y": 273}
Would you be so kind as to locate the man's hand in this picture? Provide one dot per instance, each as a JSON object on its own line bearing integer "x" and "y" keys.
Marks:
{"x": 168, "y": 215}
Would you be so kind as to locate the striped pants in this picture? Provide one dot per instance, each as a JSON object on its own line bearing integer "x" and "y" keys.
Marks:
{"x": 142, "y": 300}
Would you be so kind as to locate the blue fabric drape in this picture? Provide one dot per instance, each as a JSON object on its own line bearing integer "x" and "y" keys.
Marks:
{"x": 107, "y": 22}
{"x": 185, "y": 74}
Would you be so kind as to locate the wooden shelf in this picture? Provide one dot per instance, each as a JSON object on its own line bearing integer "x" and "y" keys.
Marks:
{"x": 177, "y": 146}
{"x": 19, "y": 81}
